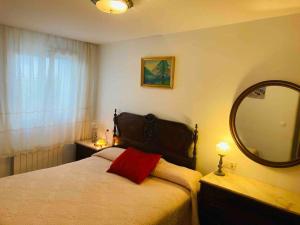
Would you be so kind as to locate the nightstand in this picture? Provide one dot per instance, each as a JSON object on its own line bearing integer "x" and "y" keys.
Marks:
{"x": 237, "y": 200}
{"x": 85, "y": 149}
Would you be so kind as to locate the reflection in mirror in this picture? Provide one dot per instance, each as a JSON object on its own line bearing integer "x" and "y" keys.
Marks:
{"x": 268, "y": 123}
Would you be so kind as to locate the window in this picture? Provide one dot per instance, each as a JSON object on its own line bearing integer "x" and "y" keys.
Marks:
{"x": 48, "y": 88}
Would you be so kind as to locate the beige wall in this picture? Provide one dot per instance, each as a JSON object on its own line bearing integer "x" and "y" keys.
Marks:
{"x": 212, "y": 67}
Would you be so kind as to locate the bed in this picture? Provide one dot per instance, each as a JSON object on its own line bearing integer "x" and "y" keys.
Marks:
{"x": 84, "y": 193}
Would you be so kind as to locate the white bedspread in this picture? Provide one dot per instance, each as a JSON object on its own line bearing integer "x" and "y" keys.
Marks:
{"x": 82, "y": 193}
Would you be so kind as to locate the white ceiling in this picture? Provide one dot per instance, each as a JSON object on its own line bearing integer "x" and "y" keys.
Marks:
{"x": 80, "y": 19}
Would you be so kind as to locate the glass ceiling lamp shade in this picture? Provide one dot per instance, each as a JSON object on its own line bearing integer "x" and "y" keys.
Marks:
{"x": 113, "y": 6}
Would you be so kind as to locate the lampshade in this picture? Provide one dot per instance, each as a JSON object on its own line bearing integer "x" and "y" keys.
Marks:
{"x": 223, "y": 148}
{"x": 113, "y": 6}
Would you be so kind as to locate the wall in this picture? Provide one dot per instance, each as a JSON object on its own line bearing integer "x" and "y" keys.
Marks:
{"x": 212, "y": 67}
{"x": 268, "y": 125}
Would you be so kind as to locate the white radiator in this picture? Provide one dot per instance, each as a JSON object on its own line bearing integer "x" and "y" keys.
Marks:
{"x": 37, "y": 159}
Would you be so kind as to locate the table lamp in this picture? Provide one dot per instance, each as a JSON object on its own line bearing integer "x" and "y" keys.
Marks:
{"x": 222, "y": 150}
{"x": 100, "y": 143}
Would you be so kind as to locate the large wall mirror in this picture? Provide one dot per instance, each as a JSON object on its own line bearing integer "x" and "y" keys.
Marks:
{"x": 265, "y": 123}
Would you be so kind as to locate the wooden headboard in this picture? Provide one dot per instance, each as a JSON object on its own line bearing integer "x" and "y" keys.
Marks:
{"x": 171, "y": 139}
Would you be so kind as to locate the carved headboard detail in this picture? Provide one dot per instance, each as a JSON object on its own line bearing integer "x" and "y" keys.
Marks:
{"x": 171, "y": 139}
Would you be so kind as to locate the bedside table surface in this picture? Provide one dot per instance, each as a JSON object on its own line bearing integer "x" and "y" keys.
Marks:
{"x": 89, "y": 144}
{"x": 256, "y": 190}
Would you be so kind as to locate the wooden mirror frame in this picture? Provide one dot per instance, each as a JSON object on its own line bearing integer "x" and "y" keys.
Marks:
{"x": 233, "y": 129}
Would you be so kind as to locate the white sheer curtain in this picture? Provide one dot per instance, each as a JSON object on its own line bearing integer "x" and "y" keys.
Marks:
{"x": 46, "y": 90}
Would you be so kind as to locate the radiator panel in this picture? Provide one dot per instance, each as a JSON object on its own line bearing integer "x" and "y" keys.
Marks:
{"x": 27, "y": 161}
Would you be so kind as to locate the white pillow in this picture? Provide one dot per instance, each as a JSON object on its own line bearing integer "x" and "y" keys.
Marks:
{"x": 178, "y": 174}
{"x": 110, "y": 153}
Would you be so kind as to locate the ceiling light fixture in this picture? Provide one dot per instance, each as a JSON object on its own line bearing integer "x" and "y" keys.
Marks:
{"x": 113, "y": 6}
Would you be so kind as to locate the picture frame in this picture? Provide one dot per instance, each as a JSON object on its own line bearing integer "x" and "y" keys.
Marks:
{"x": 158, "y": 72}
{"x": 259, "y": 93}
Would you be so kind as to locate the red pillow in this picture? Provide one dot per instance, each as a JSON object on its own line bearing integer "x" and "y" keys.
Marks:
{"x": 134, "y": 164}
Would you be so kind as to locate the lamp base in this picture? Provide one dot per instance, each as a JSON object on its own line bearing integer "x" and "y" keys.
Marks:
{"x": 219, "y": 173}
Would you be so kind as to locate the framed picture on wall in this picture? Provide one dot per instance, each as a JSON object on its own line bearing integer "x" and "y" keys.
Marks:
{"x": 158, "y": 71}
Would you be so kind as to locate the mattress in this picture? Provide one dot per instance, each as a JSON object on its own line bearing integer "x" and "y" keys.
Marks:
{"x": 84, "y": 193}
